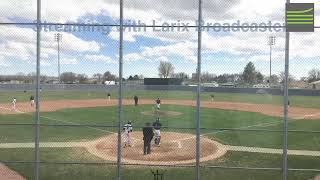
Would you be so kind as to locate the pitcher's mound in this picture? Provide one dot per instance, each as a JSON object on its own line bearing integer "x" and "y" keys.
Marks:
{"x": 161, "y": 113}
{"x": 176, "y": 148}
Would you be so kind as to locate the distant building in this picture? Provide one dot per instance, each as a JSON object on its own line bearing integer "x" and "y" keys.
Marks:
{"x": 110, "y": 83}
{"x": 298, "y": 85}
{"x": 163, "y": 81}
{"x": 315, "y": 85}
{"x": 16, "y": 82}
{"x": 212, "y": 84}
{"x": 227, "y": 85}
{"x": 261, "y": 86}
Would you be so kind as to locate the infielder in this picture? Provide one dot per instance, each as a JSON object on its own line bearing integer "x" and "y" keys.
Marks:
{"x": 109, "y": 96}
{"x": 157, "y": 126}
{"x": 14, "y": 102}
{"x": 158, "y": 103}
{"x": 127, "y": 134}
{"x": 212, "y": 97}
{"x": 32, "y": 100}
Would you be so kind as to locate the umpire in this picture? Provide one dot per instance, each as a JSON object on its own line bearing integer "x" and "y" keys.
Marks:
{"x": 147, "y": 138}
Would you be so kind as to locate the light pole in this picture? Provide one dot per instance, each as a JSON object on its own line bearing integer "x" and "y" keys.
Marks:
{"x": 58, "y": 38}
{"x": 271, "y": 42}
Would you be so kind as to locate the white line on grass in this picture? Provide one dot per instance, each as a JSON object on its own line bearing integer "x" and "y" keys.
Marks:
{"x": 256, "y": 125}
{"x": 216, "y": 132}
{"x": 53, "y": 119}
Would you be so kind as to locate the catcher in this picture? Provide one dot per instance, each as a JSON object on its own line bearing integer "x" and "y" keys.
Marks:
{"x": 157, "y": 126}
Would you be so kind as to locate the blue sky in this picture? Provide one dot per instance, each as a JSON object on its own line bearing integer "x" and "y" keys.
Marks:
{"x": 97, "y": 52}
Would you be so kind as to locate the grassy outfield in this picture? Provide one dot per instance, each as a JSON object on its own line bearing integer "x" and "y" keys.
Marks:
{"x": 210, "y": 118}
{"x": 80, "y": 171}
{"x": 299, "y": 101}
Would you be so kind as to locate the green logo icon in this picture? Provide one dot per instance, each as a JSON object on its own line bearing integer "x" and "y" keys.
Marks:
{"x": 300, "y": 17}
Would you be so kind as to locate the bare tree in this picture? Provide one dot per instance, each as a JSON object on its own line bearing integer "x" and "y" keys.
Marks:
{"x": 98, "y": 77}
{"x": 274, "y": 79}
{"x": 180, "y": 75}
{"x": 207, "y": 77}
{"x": 290, "y": 78}
{"x": 82, "y": 78}
{"x": 166, "y": 69}
{"x": 313, "y": 75}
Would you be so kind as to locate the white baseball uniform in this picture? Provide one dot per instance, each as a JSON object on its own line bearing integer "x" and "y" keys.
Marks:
{"x": 127, "y": 134}
{"x": 14, "y": 102}
{"x": 157, "y": 133}
{"x": 157, "y": 126}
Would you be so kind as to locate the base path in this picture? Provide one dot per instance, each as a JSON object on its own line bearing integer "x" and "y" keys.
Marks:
{"x": 272, "y": 151}
{"x": 267, "y": 109}
{"x": 175, "y": 142}
{"x": 8, "y": 174}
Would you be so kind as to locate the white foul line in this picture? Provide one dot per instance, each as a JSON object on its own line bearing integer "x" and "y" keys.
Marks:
{"x": 53, "y": 119}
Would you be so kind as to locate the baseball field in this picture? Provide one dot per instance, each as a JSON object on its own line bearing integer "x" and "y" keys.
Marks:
{"x": 238, "y": 131}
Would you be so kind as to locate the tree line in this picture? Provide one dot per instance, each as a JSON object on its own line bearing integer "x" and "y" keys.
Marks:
{"x": 98, "y": 78}
{"x": 248, "y": 76}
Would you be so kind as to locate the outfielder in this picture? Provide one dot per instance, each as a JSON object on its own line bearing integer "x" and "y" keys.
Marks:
{"x": 157, "y": 126}
{"x": 127, "y": 134}
{"x": 14, "y": 102}
{"x": 212, "y": 97}
{"x": 158, "y": 103}
{"x": 32, "y": 100}
{"x": 136, "y": 100}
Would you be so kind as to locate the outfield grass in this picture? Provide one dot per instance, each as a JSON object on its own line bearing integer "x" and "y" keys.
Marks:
{"x": 299, "y": 101}
{"x": 210, "y": 118}
{"x": 81, "y": 171}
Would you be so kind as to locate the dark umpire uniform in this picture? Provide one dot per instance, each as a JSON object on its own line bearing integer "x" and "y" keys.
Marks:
{"x": 147, "y": 138}
{"x": 136, "y": 99}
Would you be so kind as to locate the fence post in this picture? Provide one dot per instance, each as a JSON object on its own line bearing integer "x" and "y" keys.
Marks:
{"x": 37, "y": 115}
{"x": 198, "y": 93}
{"x": 286, "y": 99}
{"x": 120, "y": 91}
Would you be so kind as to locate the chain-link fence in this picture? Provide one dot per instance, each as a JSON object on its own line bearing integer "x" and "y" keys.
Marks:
{"x": 166, "y": 90}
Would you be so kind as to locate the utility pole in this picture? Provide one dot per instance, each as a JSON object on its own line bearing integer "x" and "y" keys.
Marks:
{"x": 58, "y": 38}
{"x": 271, "y": 42}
